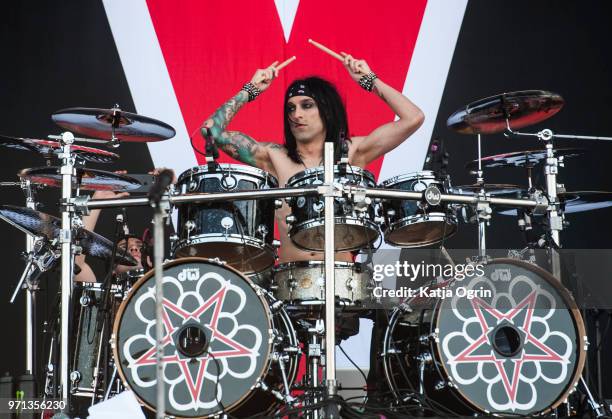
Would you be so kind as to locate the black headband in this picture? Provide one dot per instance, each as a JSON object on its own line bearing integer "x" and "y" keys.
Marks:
{"x": 300, "y": 90}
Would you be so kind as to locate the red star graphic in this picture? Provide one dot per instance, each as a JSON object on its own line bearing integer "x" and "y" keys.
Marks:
{"x": 237, "y": 350}
{"x": 466, "y": 356}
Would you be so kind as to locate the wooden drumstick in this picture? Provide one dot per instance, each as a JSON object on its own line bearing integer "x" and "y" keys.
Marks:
{"x": 327, "y": 50}
{"x": 284, "y": 63}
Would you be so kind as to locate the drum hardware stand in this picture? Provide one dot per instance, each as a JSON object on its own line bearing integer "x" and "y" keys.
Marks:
{"x": 67, "y": 171}
{"x": 331, "y": 384}
{"x": 162, "y": 207}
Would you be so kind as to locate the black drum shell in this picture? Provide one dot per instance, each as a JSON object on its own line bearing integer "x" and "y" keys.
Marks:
{"x": 247, "y": 244}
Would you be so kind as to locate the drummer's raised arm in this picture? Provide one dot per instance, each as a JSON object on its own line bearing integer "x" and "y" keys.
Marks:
{"x": 388, "y": 136}
{"x": 236, "y": 144}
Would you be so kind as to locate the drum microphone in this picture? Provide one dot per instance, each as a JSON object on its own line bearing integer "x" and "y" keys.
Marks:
{"x": 163, "y": 180}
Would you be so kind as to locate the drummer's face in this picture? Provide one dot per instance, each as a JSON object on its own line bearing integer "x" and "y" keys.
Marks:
{"x": 304, "y": 119}
{"x": 134, "y": 249}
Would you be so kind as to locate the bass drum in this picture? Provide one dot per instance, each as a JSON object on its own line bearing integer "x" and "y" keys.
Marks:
{"x": 517, "y": 347}
{"x": 228, "y": 346}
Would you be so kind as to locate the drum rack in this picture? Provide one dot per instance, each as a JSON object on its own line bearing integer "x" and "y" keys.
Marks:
{"x": 82, "y": 205}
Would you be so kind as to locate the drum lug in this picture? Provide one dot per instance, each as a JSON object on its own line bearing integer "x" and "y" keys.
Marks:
{"x": 442, "y": 384}
{"x": 278, "y": 203}
{"x": 263, "y": 230}
{"x": 276, "y": 243}
{"x": 390, "y": 213}
{"x": 290, "y": 219}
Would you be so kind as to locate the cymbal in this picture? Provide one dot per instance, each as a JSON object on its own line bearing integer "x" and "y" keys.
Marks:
{"x": 490, "y": 188}
{"x": 42, "y": 224}
{"x": 86, "y": 179}
{"x": 526, "y": 158}
{"x": 101, "y": 123}
{"x": 49, "y": 148}
{"x": 576, "y": 201}
{"x": 522, "y": 108}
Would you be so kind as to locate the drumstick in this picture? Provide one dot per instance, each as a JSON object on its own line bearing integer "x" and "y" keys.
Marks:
{"x": 327, "y": 50}
{"x": 284, "y": 63}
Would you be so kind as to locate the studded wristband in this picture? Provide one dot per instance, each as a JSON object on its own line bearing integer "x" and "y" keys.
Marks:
{"x": 251, "y": 90}
{"x": 367, "y": 81}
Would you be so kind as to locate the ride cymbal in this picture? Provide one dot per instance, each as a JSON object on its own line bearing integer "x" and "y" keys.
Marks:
{"x": 104, "y": 123}
{"x": 520, "y": 109}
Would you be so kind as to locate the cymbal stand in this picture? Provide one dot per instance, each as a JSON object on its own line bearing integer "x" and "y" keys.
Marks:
{"x": 30, "y": 291}
{"x": 67, "y": 247}
{"x": 483, "y": 210}
{"x": 330, "y": 285}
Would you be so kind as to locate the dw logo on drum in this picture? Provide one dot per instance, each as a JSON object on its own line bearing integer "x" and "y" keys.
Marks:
{"x": 501, "y": 275}
{"x": 189, "y": 274}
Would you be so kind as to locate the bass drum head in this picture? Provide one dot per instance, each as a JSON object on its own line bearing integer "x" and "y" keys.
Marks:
{"x": 216, "y": 338}
{"x": 518, "y": 351}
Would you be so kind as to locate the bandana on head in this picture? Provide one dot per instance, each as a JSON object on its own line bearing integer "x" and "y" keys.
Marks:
{"x": 300, "y": 90}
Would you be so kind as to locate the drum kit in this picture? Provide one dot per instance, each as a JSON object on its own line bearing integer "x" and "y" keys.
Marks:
{"x": 219, "y": 329}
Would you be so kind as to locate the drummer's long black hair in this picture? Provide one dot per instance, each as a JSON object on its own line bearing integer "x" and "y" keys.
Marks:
{"x": 331, "y": 110}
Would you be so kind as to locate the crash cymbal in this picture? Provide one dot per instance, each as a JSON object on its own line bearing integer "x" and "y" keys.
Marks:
{"x": 526, "y": 158}
{"x": 86, "y": 179}
{"x": 49, "y": 148}
{"x": 42, "y": 224}
{"x": 576, "y": 201}
{"x": 101, "y": 123}
{"x": 490, "y": 188}
{"x": 522, "y": 108}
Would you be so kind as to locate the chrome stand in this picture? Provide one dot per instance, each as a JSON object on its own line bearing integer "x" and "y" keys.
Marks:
{"x": 330, "y": 283}
{"x": 65, "y": 239}
{"x": 158, "y": 255}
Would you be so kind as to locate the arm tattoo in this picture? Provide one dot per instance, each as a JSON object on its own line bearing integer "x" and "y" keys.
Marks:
{"x": 238, "y": 145}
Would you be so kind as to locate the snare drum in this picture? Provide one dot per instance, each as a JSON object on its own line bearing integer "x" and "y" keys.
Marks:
{"x": 354, "y": 224}
{"x": 241, "y": 233}
{"x": 304, "y": 283}
{"x": 411, "y": 223}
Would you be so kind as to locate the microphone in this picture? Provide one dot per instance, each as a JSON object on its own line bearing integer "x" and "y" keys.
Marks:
{"x": 126, "y": 229}
{"x": 163, "y": 180}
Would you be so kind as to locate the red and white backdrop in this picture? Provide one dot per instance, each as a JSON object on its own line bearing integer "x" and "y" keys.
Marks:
{"x": 183, "y": 59}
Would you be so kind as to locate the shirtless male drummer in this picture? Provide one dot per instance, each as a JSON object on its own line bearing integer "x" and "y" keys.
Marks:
{"x": 313, "y": 111}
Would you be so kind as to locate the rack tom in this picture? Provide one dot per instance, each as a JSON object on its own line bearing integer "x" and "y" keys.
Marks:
{"x": 241, "y": 233}
{"x": 354, "y": 223}
{"x": 411, "y": 223}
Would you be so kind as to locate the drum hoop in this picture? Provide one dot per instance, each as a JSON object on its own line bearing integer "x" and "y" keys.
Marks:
{"x": 311, "y": 264}
{"x": 423, "y": 174}
{"x": 304, "y": 174}
{"x": 151, "y": 273}
{"x": 578, "y": 323}
{"x": 230, "y": 169}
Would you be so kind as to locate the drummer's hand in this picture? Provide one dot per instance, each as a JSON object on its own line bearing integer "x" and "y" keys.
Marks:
{"x": 262, "y": 79}
{"x": 356, "y": 68}
{"x": 158, "y": 170}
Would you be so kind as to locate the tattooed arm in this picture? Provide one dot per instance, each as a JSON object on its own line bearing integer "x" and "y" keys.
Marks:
{"x": 238, "y": 145}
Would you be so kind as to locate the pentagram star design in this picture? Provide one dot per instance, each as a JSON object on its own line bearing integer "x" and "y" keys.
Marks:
{"x": 194, "y": 384}
{"x": 467, "y": 355}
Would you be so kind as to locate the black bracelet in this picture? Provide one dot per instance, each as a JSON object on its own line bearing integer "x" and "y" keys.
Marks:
{"x": 367, "y": 81}
{"x": 251, "y": 90}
